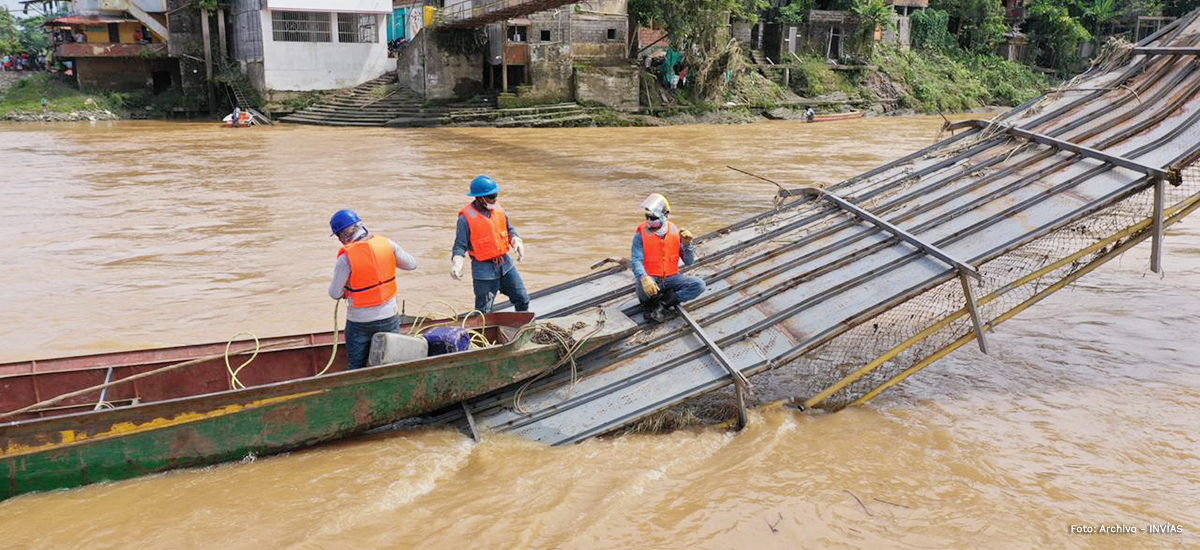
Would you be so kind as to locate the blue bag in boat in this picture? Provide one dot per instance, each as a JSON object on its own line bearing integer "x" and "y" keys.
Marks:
{"x": 444, "y": 340}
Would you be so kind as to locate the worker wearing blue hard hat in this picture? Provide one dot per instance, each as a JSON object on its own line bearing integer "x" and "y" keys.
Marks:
{"x": 486, "y": 234}
{"x": 365, "y": 274}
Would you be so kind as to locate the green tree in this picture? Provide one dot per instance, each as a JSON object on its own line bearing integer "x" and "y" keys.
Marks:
{"x": 931, "y": 31}
{"x": 694, "y": 22}
{"x": 1101, "y": 14}
{"x": 980, "y": 22}
{"x": 33, "y": 34}
{"x": 794, "y": 12}
{"x": 1180, "y": 8}
{"x": 872, "y": 14}
{"x": 10, "y": 37}
{"x": 1055, "y": 35}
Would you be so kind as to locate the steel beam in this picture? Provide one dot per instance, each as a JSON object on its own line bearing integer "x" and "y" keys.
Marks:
{"x": 1171, "y": 176}
{"x": 973, "y": 309}
{"x": 1156, "y": 244}
{"x": 740, "y": 382}
{"x": 963, "y": 268}
{"x": 1165, "y": 50}
{"x": 894, "y": 230}
{"x": 471, "y": 422}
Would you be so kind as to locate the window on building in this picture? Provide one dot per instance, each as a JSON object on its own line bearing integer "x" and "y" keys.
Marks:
{"x": 612, "y": 34}
{"x": 357, "y": 28}
{"x": 545, "y": 35}
{"x": 300, "y": 26}
{"x": 518, "y": 33}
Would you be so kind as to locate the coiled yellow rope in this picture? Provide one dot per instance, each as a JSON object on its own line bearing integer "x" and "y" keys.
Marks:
{"x": 236, "y": 384}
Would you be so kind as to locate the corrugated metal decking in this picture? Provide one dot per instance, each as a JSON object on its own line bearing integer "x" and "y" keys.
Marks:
{"x": 854, "y": 309}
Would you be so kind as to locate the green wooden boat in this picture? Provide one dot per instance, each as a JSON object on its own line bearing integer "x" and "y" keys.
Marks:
{"x": 188, "y": 416}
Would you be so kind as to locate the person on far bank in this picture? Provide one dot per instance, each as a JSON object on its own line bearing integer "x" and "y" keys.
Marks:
{"x": 365, "y": 274}
{"x": 485, "y": 233}
{"x": 658, "y": 245}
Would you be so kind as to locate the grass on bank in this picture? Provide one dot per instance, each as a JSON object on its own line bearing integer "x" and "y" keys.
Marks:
{"x": 61, "y": 96}
{"x": 935, "y": 81}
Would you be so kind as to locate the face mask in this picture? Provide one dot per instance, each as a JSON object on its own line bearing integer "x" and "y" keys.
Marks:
{"x": 654, "y": 223}
{"x": 489, "y": 205}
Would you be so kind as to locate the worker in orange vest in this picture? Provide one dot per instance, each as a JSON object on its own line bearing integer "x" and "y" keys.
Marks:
{"x": 658, "y": 245}
{"x": 486, "y": 234}
{"x": 365, "y": 274}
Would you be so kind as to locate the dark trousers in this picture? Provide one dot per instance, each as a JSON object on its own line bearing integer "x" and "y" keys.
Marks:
{"x": 358, "y": 338}
{"x": 685, "y": 288}
{"x": 509, "y": 284}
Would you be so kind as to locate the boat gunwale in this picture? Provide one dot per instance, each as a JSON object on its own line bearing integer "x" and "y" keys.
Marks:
{"x": 196, "y": 351}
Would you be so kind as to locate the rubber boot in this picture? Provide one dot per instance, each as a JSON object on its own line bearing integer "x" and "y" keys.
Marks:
{"x": 653, "y": 310}
{"x": 668, "y": 301}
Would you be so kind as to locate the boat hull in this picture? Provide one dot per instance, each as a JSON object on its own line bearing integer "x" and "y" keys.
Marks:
{"x": 84, "y": 448}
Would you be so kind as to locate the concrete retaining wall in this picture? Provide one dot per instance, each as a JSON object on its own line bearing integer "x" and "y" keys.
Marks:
{"x": 613, "y": 87}
{"x": 436, "y": 74}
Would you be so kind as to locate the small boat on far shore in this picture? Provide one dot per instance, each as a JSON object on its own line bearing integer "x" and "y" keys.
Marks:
{"x": 837, "y": 116}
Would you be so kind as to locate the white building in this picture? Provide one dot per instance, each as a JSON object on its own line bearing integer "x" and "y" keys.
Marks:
{"x": 301, "y": 45}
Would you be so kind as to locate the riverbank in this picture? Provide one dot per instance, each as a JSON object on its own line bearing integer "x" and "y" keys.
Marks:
{"x": 45, "y": 97}
{"x": 897, "y": 82}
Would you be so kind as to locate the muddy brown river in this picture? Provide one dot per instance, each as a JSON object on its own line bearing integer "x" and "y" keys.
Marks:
{"x": 139, "y": 234}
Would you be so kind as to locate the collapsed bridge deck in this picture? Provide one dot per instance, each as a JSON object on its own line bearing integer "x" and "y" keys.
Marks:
{"x": 1030, "y": 201}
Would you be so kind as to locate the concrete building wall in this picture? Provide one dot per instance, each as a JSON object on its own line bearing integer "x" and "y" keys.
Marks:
{"x": 599, "y": 37}
{"x": 89, "y": 6}
{"x": 438, "y": 74}
{"x": 613, "y": 87}
{"x": 344, "y": 6}
{"x": 303, "y": 66}
{"x": 122, "y": 74}
{"x": 550, "y": 70}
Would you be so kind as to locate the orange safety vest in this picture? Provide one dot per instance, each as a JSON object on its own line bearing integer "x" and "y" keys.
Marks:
{"x": 372, "y": 271}
{"x": 489, "y": 236}
{"x": 661, "y": 254}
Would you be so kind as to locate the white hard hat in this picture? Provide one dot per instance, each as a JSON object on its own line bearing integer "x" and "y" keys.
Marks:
{"x": 656, "y": 205}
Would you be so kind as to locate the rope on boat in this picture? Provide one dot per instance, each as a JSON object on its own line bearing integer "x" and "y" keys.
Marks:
{"x": 235, "y": 384}
{"x": 568, "y": 346}
{"x": 478, "y": 339}
{"x": 58, "y": 399}
{"x": 333, "y": 353}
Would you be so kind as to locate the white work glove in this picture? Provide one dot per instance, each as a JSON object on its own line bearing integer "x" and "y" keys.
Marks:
{"x": 649, "y": 286}
{"x": 686, "y": 237}
{"x": 519, "y": 245}
{"x": 456, "y": 266}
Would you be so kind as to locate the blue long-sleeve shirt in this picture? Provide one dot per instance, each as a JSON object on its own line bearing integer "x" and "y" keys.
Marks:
{"x": 484, "y": 271}
{"x": 638, "y": 255}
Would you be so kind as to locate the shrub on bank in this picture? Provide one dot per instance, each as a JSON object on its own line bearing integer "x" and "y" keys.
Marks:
{"x": 61, "y": 96}
{"x": 958, "y": 81}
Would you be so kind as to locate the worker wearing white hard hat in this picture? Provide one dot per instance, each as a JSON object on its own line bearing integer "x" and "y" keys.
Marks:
{"x": 658, "y": 246}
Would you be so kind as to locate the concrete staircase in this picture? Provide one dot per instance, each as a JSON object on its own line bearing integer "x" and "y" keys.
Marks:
{"x": 382, "y": 102}
{"x": 427, "y": 117}
{"x": 371, "y": 103}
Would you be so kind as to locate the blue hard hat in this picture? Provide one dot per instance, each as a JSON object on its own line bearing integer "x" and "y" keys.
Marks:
{"x": 483, "y": 186}
{"x": 343, "y": 219}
